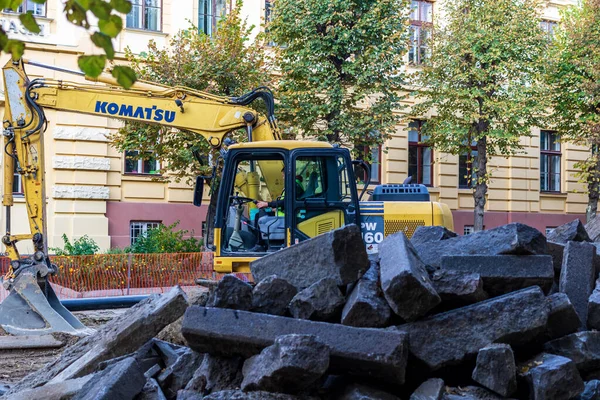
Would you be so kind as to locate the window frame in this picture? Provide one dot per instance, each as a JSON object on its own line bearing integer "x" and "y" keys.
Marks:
{"x": 143, "y": 7}
{"x": 420, "y": 24}
{"x": 551, "y": 154}
{"x": 420, "y": 146}
{"x": 214, "y": 19}
{"x": 140, "y": 166}
{"x": 545, "y": 25}
{"x": 365, "y": 149}
{"x": 24, "y": 9}
{"x": 145, "y": 228}
{"x": 470, "y": 184}
{"x": 17, "y": 178}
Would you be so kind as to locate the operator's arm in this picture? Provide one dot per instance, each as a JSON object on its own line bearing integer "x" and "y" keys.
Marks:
{"x": 272, "y": 204}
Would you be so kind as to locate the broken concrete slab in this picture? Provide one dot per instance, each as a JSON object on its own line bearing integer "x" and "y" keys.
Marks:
{"x": 30, "y": 342}
{"x": 428, "y": 234}
{"x": 172, "y": 332}
{"x": 363, "y": 352}
{"x": 563, "y": 318}
{"x": 121, "y": 380}
{"x": 505, "y": 273}
{"x": 431, "y": 389}
{"x": 552, "y": 377}
{"x": 339, "y": 254}
{"x": 321, "y": 301}
{"x": 241, "y": 395}
{"x": 217, "y": 373}
{"x": 151, "y": 391}
{"x": 573, "y": 231}
{"x": 366, "y": 306}
{"x": 583, "y": 348}
{"x": 593, "y": 319}
{"x": 496, "y": 370}
{"x": 515, "y": 238}
{"x": 231, "y": 292}
{"x": 177, "y": 375}
{"x": 356, "y": 391}
{"x": 55, "y": 391}
{"x": 516, "y": 318}
{"x": 470, "y": 393}
{"x": 292, "y": 364}
{"x": 123, "y": 335}
{"x": 577, "y": 276}
{"x": 189, "y": 395}
{"x": 591, "y": 391}
{"x": 272, "y": 295}
{"x": 404, "y": 279}
{"x": 457, "y": 288}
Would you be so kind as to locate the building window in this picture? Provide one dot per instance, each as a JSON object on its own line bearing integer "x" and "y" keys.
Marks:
{"x": 134, "y": 164}
{"x": 17, "y": 182}
{"x": 210, "y": 12}
{"x": 421, "y": 19}
{"x": 548, "y": 27}
{"x": 419, "y": 155}
{"x": 468, "y": 229}
{"x": 39, "y": 10}
{"x": 268, "y": 17}
{"x": 141, "y": 228}
{"x": 549, "y": 162}
{"x": 467, "y": 176}
{"x": 145, "y": 14}
{"x": 372, "y": 156}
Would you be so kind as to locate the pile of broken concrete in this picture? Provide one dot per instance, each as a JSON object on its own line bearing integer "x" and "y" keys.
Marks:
{"x": 503, "y": 313}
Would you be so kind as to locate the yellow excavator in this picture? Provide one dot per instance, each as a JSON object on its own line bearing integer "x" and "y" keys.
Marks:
{"x": 271, "y": 193}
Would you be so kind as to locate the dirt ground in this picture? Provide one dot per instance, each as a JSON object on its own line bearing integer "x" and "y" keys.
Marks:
{"x": 16, "y": 364}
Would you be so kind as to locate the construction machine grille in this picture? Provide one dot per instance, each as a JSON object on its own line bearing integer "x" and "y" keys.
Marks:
{"x": 324, "y": 227}
{"x": 408, "y": 226}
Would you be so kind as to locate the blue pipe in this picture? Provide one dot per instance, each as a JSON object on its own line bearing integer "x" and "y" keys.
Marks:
{"x": 102, "y": 303}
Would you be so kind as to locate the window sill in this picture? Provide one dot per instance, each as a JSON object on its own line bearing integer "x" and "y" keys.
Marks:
{"x": 140, "y": 177}
{"x": 553, "y": 194}
{"x": 146, "y": 31}
{"x": 37, "y": 17}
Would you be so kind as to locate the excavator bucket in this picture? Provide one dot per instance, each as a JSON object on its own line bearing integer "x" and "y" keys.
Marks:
{"x": 32, "y": 307}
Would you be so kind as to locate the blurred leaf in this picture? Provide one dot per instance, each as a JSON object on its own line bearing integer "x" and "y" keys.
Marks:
{"x": 122, "y": 6}
{"x": 92, "y": 65}
{"x": 15, "y": 48}
{"x": 13, "y": 4}
{"x": 29, "y": 23}
{"x": 39, "y": 1}
{"x": 84, "y": 3}
{"x": 100, "y": 9}
{"x": 124, "y": 75}
{"x": 112, "y": 26}
{"x": 103, "y": 41}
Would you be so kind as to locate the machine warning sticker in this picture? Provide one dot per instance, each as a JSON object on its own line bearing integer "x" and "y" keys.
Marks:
{"x": 371, "y": 227}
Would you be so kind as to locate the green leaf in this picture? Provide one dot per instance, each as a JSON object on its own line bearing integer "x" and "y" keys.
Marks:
{"x": 84, "y": 4}
{"x": 124, "y": 75}
{"x": 122, "y": 6}
{"x": 15, "y": 48}
{"x": 28, "y": 22}
{"x": 112, "y": 26}
{"x": 92, "y": 65}
{"x": 100, "y": 9}
{"x": 13, "y": 4}
{"x": 103, "y": 41}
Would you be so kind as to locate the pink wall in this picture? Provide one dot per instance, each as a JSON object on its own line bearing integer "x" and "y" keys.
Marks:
{"x": 492, "y": 219}
{"x": 121, "y": 214}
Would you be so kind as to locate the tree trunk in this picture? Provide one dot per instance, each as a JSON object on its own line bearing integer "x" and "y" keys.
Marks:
{"x": 481, "y": 185}
{"x": 594, "y": 191}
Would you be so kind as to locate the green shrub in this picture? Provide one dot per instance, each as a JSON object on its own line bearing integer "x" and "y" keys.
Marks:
{"x": 165, "y": 239}
{"x": 85, "y": 245}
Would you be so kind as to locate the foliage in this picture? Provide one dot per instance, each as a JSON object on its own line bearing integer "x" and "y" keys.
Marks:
{"x": 79, "y": 12}
{"x": 85, "y": 245}
{"x": 341, "y": 65}
{"x": 224, "y": 64}
{"x": 482, "y": 81}
{"x": 165, "y": 239}
{"x": 574, "y": 87}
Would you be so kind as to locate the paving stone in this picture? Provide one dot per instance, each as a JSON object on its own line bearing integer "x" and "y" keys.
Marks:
{"x": 577, "y": 276}
{"x": 122, "y": 335}
{"x": 151, "y": 391}
{"x": 573, "y": 231}
{"x": 176, "y": 376}
{"x": 217, "y": 373}
{"x": 404, "y": 279}
{"x": 457, "y": 288}
{"x": 583, "y": 348}
{"x": 515, "y": 238}
{"x": 516, "y": 318}
{"x": 496, "y": 369}
{"x": 593, "y": 229}
{"x": 121, "y": 380}
{"x": 361, "y": 392}
{"x": 428, "y": 234}
{"x": 339, "y": 254}
{"x": 362, "y": 352}
{"x": 292, "y": 364}
{"x": 321, "y": 301}
{"x": 366, "y": 306}
{"x": 593, "y": 319}
{"x": 431, "y": 389}
{"x": 505, "y": 273}
{"x": 240, "y": 395}
{"x": 272, "y": 295}
{"x": 563, "y": 318}
{"x": 231, "y": 292}
{"x": 556, "y": 251}
{"x": 591, "y": 391}
{"x": 552, "y": 377}
{"x": 470, "y": 393}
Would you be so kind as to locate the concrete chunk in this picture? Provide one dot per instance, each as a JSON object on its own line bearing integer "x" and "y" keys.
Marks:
{"x": 593, "y": 319}
{"x": 457, "y": 288}
{"x": 260, "y": 395}
{"x": 470, "y": 393}
{"x": 496, "y": 369}
{"x": 292, "y": 364}
{"x": 504, "y": 274}
{"x": 431, "y": 389}
{"x": 577, "y": 276}
{"x": 321, "y": 301}
{"x": 516, "y": 318}
{"x": 176, "y": 376}
{"x": 593, "y": 229}
{"x": 556, "y": 251}
{"x": 429, "y": 234}
{"x": 122, "y": 335}
{"x": 366, "y": 306}
{"x": 573, "y": 231}
{"x": 552, "y": 377}
{"x": 362, "y": 392}
{"x": 55, "y": 391}
{"x": 591, "y": 391}
{"x": 563, "y": 318}
{"x": 358, "y": 351}
{"x": 583, "y": 348}
{"x": 122, "y": 380}
{"x": 404, "y": 280}
{"x": 216, "y": 373}
{"x": 339, "y": 254}
{"x": 513, "y": 238}
{"x": 272, "y": 295}
{"x": 231, "y": 292}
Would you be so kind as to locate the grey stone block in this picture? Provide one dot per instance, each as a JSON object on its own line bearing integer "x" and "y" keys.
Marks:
{"x": 429, "y": 234}
{"x": 366, "y": 306}
{"x": 496, "y": 369}
{"x": 516, "y": 318}
{"x": 151, "y": 391}
{"x": 321, "y": 301}
{"x": 556, "y": 251}
{"x": 563, "y": 318}
{"x": 457, "y": 288}
{"x": 470, "y": 393}
{"x": 431, "y": 389}
{"x": 513, "y": 238}
{"x": 216, "y": 373}
{"x": 122, "y": 380}
{"x": 577, "y": 276}
{"x": 552, "y": 377}
{"x": 292, "y": 364}
{"x": 339, "y": 254}
{"x": 362, "y": 392}
{"x": 260, "y": 395}
{"x": 231, "y": 292}
{"x": 54, "y": 391}
{"x": 505, "y": 273}
{"x": 573, "y": 231}
{"x": 583, "y": 348}
{"x": 272, "y": 295}
{"x": 404, "y": 279}
{"x": 176, "y": 376}
{"x": 593, "y": 229}
{"x": 591, "y": 391}
{"x": 357, "y": 351}
{"x": 593, "y": 319}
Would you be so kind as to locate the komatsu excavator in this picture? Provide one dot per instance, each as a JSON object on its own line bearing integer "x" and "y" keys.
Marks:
{"x": 272, "y": 193}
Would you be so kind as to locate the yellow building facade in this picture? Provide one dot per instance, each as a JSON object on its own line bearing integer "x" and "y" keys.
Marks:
{"x": 93, "y": 189}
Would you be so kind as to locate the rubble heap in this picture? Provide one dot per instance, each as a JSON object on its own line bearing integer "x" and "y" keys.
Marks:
{"x": 497, "y": 314}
